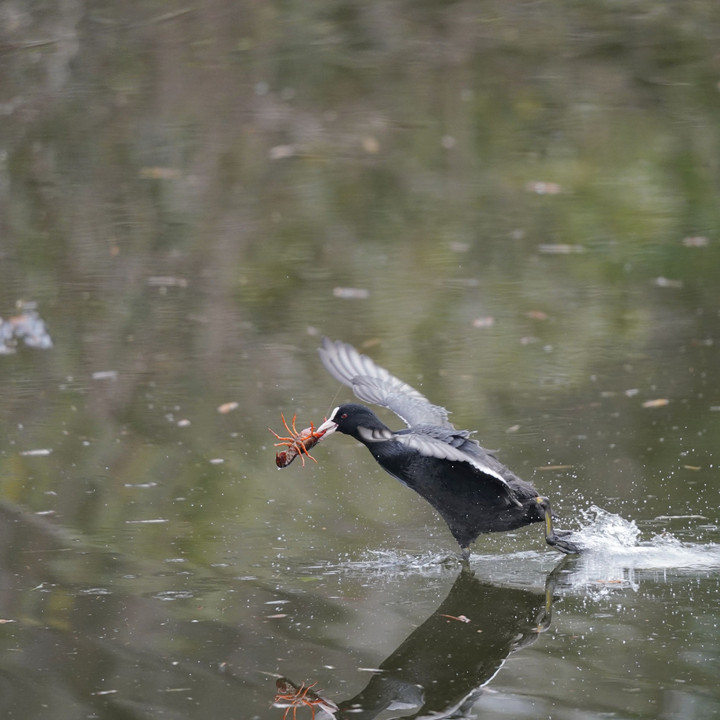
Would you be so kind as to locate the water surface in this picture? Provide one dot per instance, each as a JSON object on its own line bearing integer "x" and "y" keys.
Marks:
{"x": 512, "y": 208}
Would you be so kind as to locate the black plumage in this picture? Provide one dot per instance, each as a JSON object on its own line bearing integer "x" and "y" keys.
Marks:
{"x": 467, "y": 485}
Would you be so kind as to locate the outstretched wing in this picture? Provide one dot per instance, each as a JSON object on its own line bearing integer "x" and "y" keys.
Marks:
{"x": 375, "y": 384}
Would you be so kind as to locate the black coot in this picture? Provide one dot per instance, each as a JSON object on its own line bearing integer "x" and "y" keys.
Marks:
{"x": 472, "y": 490}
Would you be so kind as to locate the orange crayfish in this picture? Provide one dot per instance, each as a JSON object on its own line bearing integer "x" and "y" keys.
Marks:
{"x": 292, "y": 696}
{"x": 298, "y": 443}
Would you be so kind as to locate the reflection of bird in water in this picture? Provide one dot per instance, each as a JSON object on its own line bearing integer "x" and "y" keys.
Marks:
{"x": 439, "y": 671}
{"x": 472, "y": 490}
{"x": 441, "y": 668}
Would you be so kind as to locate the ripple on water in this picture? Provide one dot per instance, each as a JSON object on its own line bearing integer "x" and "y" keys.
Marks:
{"x": 614, "y": 555}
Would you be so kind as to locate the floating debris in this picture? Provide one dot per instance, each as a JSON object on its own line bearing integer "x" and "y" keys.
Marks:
{"x": 370, "y": 145}
{"x": 483, "y": 322}
{"x": 40, "y": 452}
{"x": 348, "y": 293}
{"x": 462, "y": 282}
{"x": 227, "y": 407}
{"x": 370, "y": 343}
{"x": 560, "y": 249}
{"x": 543, "y": 188}
{"x": 280, "y": 152}
{"x": 459, "y": 618}
{"x": 160, "y": 173}
{"x": 658, "y": 402}
{"x": 28, "y": 326}
{"x": 696, "y": 241}
{"x": 170, "y": 595}
{"x": 664, "y": 282}
{"x": 536, "y": 315}
{"x": 166, "y": 281}
{"x": 105, "y": 375}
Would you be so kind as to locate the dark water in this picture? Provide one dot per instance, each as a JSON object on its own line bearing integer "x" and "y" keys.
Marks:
{"x": 511, "y": 207}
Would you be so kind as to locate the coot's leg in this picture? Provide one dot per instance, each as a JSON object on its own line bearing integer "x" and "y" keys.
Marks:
{"x": 555, "y": 537}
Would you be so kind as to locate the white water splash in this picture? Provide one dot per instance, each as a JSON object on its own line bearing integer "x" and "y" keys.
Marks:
{"x": 613, "y": 555}
{"x": 614, "y": 537}
{"x": 605, "y": 532}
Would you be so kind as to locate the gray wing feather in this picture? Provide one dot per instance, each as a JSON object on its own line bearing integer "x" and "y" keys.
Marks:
{"x": 376, "y": 385}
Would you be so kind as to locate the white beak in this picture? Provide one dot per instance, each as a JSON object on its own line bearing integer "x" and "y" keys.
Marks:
{"x": 327, "y": 428}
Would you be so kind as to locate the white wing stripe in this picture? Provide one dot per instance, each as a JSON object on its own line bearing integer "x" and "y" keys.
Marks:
{"x": 433, "y": 447}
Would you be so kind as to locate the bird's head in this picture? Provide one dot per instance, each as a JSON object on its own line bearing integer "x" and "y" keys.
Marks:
{"x": 355, "y": 420}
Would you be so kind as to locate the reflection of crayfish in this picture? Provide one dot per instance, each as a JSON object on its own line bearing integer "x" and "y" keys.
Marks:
{"x": 299, "y": 443}
{"x": 298, "y": 696}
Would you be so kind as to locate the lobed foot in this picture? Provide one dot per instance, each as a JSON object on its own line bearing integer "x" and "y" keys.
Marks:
{"x": 555, "y": 538}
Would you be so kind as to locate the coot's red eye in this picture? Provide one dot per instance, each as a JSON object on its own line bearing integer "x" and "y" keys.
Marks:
{"x": 343, "y": 416}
